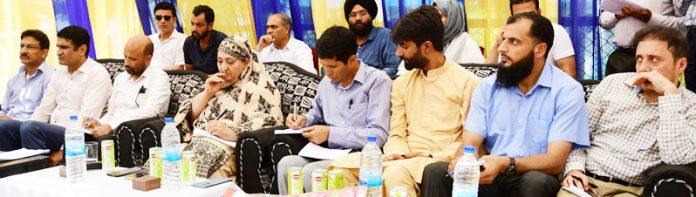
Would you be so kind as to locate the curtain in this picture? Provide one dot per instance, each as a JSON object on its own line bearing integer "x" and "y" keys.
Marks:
{"x": 113, "y": 23}
{"x": 147, "y": 16}
{"x": 231, "y": 18}
{"x": 302, "y": 21}
{"x": 592, "y": 44}
{"x": 15, "y": 19}
{"x": 73, "y": 13}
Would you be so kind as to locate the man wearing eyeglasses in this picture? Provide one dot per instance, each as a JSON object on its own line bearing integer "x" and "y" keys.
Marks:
{"x": 25, "y": 90}
{"x": 168, "y": 43}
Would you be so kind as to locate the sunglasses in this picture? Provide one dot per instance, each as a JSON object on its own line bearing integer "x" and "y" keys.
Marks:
{"x": 159, "y": 17}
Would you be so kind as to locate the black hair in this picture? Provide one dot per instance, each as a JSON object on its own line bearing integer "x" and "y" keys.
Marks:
{"x": 209, "y": 13}
{"x": 676, "y": 42}
{"x": 541, "y": 29}
{"x": 419, "y": 26}
{"x": 77, "y": 35}
{"x": 515, "y": 2}
{"x": 165, "y": 6}
{"x": 337, "y": 42}
{"x": 44, "y": 43}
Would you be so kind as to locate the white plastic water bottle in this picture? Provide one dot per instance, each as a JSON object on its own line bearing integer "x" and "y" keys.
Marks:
{"x": 371, "y": 168}
{"x": 75, "y": 163}
{"x": 466, "y": 175}
{"x": 171, "y": 148}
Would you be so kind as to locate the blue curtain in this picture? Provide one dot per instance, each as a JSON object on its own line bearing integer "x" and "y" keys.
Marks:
{"x": 591, "y": 42}
{"x": 74, "y": 12}
{"x": 147, "y": 17}
{"x": 299, "y": 11}
{"x": 394, "y": 9}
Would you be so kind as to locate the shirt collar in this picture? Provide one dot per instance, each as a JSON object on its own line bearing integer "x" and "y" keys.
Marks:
{"x": 288, "y": 46}
{"x": 438, "y": 71}
{"x": 546, "y": 77}
{"x": 41, "y": 69}
{"x": 373, "y": 34}
{"x": 83, "y": 67}
{"x": 360, "y": 76}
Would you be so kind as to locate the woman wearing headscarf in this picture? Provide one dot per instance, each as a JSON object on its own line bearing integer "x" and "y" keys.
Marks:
{"x": 460, "y": 47}
{"x": 240, "y": 98}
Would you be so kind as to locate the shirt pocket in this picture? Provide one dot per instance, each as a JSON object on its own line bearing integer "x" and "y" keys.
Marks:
{"x": 537, "y": 135}
{"x": 358, "y": 114}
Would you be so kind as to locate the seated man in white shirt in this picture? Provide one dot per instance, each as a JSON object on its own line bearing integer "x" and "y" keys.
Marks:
{"x": 168, "y": 43}
{"x": 279, "y": 45}
{"x": 140, "y": 93}
{"x": 561, "y": 54}
{"x": 80, "y": 87}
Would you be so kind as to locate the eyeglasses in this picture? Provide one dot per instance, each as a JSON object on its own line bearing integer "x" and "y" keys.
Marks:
{"x": 159, "y": 17}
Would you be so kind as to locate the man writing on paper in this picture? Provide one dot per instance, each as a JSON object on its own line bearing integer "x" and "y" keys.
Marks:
{"x": 352, "y": 103}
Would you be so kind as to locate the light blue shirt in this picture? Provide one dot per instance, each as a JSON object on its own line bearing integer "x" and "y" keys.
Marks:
{"x": 379, "y": 51}
{"x": 518, "y": 125}
{"x": 24, "y": 94}
{"x": 354, "y": 112}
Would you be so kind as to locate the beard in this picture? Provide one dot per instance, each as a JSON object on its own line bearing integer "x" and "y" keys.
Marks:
{"x": 364, "y": 31}
{"x": 518, "y": 71}
{"x": 201, "y": 35}
{"x": 417, "y": 61}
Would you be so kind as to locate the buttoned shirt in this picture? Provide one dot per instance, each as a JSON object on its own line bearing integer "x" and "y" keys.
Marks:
{"x": 516, "y": 124}
{"x": 24, "y": 93}
{"x": 132, "y": 99}
{"x": 295, "y": 51}
{"x": 353, "y": 112}
{"x": 83, "y": 93}
{"x": 631, "y": 136}
{"x": 379, "y": 51}
{"x": 169, "y": 52}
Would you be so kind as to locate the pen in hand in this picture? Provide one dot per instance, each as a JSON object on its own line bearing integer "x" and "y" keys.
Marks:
{"x": 294, "y": 115}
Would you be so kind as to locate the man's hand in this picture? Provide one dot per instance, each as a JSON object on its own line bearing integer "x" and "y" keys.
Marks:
{"x": 5, "y": 117}
{"x": 579, "y": 180}
{"x": 90, "y": 123}
{"x": 492, "y": 57}
{"x": 214, "y": 83}
{"x": 494, "y": 165}
{"x": 264, "y": 41}
{"x": 316, "y": 134}
{"x": 640, "y": 14}
{"x": 394, "y": 157}
{"x": 656, "y": 81}
{"x": 101, "y": 131}
{"x": 301, "y": 120}
{"x": 220, "y": 129}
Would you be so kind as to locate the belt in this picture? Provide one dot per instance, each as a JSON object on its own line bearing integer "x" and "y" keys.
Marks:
{"x": 612, "y": 180}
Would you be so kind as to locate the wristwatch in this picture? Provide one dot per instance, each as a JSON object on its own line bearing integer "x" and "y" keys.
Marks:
{"x": 511, "y": 169}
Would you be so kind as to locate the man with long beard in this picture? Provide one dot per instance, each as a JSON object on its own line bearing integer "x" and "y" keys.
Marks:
{"x": 201, "y": 48}
{"x": 528, "y": 118}
{"x": 428, "y": 105}
{"x": 374, "y": 46}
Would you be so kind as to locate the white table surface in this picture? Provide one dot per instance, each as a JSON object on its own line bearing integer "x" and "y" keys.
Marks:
{"x": 48, "y": 183}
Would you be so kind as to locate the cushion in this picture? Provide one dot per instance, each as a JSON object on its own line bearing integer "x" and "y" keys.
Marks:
{"x": 295, "y": 85}
{"x": 113, "y": 66}
{"x": 185, "y": 84}
{"x": 481, "y": 70}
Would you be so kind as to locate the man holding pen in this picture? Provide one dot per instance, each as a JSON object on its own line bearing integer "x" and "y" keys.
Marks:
{"x": 352, "y": 102}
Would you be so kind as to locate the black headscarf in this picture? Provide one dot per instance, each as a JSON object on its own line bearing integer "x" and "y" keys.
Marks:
{"x": 369, "y": 5}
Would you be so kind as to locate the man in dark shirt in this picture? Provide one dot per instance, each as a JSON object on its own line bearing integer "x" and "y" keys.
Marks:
{"x": 200, "y": 49}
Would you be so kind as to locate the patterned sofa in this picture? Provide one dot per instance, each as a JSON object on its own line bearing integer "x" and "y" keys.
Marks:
{"x": 256, "y": 168}
{"x": 481, "y": 70}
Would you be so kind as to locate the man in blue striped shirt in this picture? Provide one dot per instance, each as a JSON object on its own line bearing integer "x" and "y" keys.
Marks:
{"x": 352, "y": 103}
{"x": 26, "y": 89}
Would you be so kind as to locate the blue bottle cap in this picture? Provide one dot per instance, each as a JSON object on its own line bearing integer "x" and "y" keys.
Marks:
{"x": 73, "y": 118}
{"x": 168, "y": 120}
{"x": 371, "y": 138}
{"x": 469, "y": 149}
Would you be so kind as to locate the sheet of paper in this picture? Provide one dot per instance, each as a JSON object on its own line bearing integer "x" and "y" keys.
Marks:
{"x": 288, "y": 131}
{"x": 204, "y": 133}
{"x": 312, "y": 150}
{"x": 21, "y": 153}
{"x": 614, "y": 6}
{"x": 577, "y": 191}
